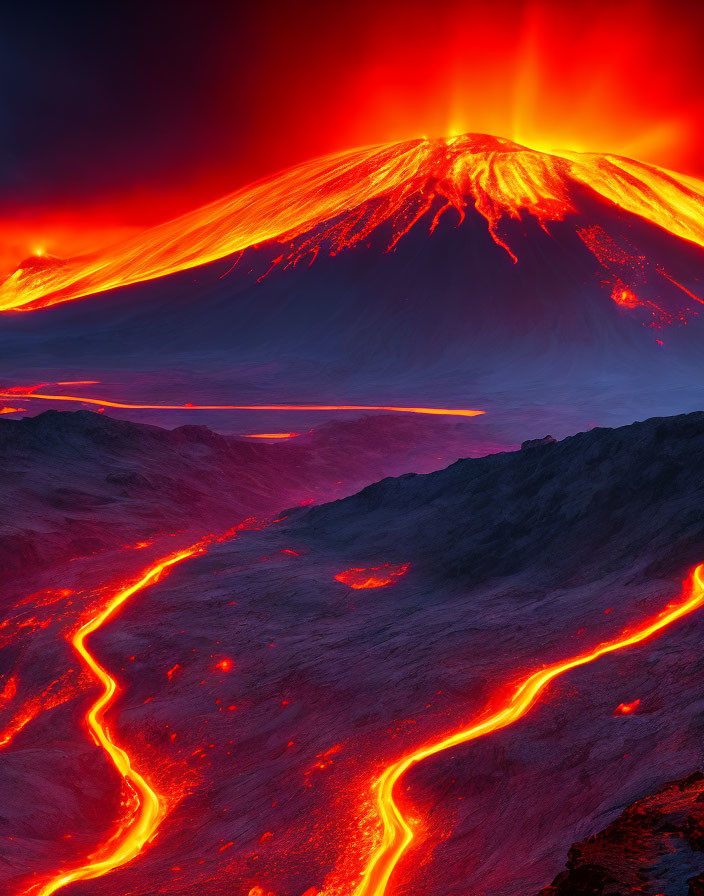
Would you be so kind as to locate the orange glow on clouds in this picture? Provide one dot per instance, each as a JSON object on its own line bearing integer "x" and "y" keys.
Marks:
{"x": 548, "y": 75}
{"x": 622, "y": 77}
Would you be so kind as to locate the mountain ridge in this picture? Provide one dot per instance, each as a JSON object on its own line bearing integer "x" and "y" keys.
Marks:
{"x": 401, "y": 182}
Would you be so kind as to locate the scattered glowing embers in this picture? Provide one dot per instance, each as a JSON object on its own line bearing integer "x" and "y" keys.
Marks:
{"x": 373, "y": 576}
{"x": 55, "y": 694}
{"x": 324, "y": 760}
{"x": 173, "y": 670}
{"x": 631, "y": 274}
{"x": 627, "y": 709}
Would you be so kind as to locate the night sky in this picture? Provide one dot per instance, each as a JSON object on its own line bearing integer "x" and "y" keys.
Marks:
{"x": 118, "y": 118}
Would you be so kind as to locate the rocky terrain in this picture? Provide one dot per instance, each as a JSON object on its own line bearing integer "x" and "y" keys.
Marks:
{"x": 262, "y": 696}
{"x": 655, "y": 844}
{"x": 80, "y": 482}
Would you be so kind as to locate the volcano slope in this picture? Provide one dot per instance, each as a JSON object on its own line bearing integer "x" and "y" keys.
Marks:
{"x": 79, "y": 483}
{"x": 561, "y": 289}
{"x": 263, "y": 696}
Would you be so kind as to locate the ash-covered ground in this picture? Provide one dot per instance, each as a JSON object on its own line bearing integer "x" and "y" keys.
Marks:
{"x": 262, "y": 697}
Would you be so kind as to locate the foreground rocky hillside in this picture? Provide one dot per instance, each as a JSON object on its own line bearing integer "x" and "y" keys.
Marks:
{"x": 80, "y": 482}
{"x": 567, "y": 511}
{"x": 262, "y": 694}
{"x": 656, "y": 844}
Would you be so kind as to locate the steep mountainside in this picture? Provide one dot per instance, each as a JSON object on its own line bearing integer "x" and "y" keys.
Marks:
{"x": 574, "y": 510}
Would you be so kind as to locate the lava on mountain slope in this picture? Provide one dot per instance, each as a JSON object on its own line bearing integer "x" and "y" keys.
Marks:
{"x": 337, "y": 202}
{"x": 373, "y": 576}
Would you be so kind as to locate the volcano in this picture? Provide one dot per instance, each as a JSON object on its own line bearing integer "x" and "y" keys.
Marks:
{"x": 335, "y": 203}
{"x": 468, "y": 271}
{"x": 363, "y": 697}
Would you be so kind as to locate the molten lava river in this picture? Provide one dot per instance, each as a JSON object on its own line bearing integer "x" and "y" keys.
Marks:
{"x": 214, "y": 726}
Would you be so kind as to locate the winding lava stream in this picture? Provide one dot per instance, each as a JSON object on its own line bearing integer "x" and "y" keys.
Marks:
{"x": 147, "y": 814}
{"x": 397, "y": 832}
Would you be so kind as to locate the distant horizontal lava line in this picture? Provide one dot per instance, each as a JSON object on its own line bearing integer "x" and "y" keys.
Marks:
{"x": 271, "y": 435}
{"x": 132, "y": 406}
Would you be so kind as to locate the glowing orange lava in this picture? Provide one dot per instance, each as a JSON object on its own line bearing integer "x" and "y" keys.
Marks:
{"x": 146, "y": 814}
{"x": 372, "y": 577}
{"x": 629, "y": 272}
{"x": 339, "y": 200}
{"x": 622, "y": 295}
{"x": 29, "y": 392}
{"x": 272, "y": 435}
{"x": 397, "y": 833}
{"x": 626, "y": 709}
{"x": 60, "y": 691}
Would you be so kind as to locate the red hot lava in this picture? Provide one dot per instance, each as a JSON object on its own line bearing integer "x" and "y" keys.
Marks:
{"x": 627, "y": 709}
{"x": 373, "y": 576}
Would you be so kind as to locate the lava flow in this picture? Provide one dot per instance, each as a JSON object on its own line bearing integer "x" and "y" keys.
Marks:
{"x": 29, "y": 392}
{"x": 336, "y": 202}
{"x": 271, "y": 435}
{"x": 398, "y": 833}
{"x": 146, "y": 814}
{"x": 373, "y": 576}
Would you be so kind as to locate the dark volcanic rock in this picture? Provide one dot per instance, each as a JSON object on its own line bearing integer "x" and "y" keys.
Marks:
{"x": 536, "y": 443}
{"x": 80, "y": 482}
{"x": 591, "y": 504}
{"x": 626, "y": 857}
{"x": 513, "y": 561}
